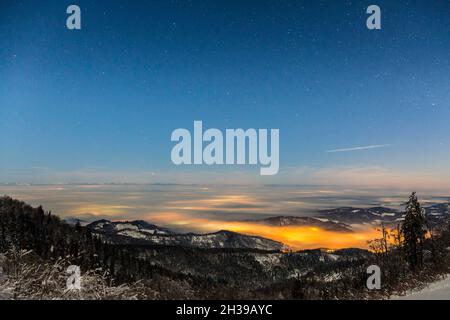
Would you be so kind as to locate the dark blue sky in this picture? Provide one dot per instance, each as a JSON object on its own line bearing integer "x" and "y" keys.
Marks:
{"x": 106, "y": 98}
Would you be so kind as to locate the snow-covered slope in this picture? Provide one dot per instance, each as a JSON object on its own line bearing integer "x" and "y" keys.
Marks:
{"x": 376, "y": 215}
{"x": 141, "y": 232}
{"x": 137, "y": 229}
{"x": 220, "y": 239}
{"x": 351, "y": 215}
{"x": 325, "y": 224}
{"x": 439, "y": 290}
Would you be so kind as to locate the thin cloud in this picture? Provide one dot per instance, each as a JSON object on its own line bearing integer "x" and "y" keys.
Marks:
{"x": 375, "y": 146}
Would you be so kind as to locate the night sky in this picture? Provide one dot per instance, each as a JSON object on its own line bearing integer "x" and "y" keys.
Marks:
{"x": 99, "y": 104}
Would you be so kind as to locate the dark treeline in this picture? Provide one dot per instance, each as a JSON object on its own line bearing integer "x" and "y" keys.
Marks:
{"x": 26, "y": 228}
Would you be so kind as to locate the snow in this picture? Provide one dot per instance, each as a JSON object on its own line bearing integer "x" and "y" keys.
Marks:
{"x": 333, "y": 257}
{"x": 123, "y": 226}
{"x": 388, "y": 214}
{"x": 333, "y": 276}
{"x": 5, "y": 294}
{"x": 5, "y": 291}
{"x": 153, "y": 231}
{"x": 101, "y": 225}
{"x": 439, "y": 290}
{"x": 268, "y": 261}
{"x": 296, "y": 273}
{"x": 132, "y": 233}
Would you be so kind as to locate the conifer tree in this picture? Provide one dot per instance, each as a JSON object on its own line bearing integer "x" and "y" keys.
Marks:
{"x": 414, "y": 231}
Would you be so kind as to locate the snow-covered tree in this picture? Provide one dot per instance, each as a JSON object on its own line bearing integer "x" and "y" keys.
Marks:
{"x": 414, "y": 231}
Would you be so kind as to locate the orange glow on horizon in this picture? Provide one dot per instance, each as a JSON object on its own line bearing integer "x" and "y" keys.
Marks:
{"x": 295, "y": 237}
{"x": 305, "y": 237}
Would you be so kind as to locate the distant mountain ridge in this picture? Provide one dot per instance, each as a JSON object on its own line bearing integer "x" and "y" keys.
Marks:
{"x": 352, "y": 215}
{"x": 325, "y": 224}
{"x": 136, "y": 228}
{"x": 141, "y": 232}
{"x": 376, "y": 215}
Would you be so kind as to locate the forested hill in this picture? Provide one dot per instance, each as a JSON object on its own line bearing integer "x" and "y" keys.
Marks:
{"x": 23, "y": 227}
{"x": 31, "y": 228}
